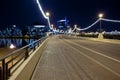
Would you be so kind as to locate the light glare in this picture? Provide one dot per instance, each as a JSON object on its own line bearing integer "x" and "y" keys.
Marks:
{"x": 100, "y": 15}
{"x": 12, "y": 46}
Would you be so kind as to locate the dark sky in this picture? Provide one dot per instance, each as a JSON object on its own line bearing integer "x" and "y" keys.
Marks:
{"x": 81, "y": 12}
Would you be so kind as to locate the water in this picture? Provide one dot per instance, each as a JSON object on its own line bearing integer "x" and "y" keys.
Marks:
{"x": 16, "y": 42}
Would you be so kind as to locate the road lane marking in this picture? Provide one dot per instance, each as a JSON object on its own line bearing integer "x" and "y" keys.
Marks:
{"x": 95, "y": 51}
{"x": 99, "y": 63}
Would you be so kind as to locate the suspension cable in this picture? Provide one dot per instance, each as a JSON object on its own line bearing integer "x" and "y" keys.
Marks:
{"x": 44, "y": 15}
{"x": 89, "y": 26}
{"x": 73, "y": 29}
{"x": 109, "y": 20}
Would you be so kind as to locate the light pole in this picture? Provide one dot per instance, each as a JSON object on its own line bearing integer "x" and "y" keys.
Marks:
{"x": 52, "y": 27}
{"x": 75, "y": 26}
{"x": 100, "y": 36}
{"x": 48, "y": 15}
{"x": 100, "y": 17}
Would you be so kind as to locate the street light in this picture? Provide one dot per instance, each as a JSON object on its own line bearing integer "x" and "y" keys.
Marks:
{"x": 52, "y": 27}
{"x": 47, "y": 14}
{"x": 75, "y": 26}
{"x": 100, "y": 36}
{"x": 100, "y": 17}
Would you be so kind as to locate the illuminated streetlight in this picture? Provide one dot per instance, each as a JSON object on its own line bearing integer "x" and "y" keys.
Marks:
{"x": 47, "y": 14}
{"x": 100, "y": 36}
{"x": 100, "y": 16}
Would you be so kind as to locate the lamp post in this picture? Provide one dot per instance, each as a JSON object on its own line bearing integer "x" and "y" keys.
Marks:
{"x": 52, "y": 27}
{"x": 75, "y": 26}
{"x": 100, "y": 17}
{"x": 48, "y": 15}
{"x": 100, "y": 36}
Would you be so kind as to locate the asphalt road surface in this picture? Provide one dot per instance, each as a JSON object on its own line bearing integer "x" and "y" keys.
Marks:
{"x": 67, "y": 58}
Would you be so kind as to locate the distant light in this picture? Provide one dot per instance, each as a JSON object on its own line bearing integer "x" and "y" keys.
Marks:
{"x": 100, "y": 15}
{"x": 12, "y": 46}
{"x": 39, "y": 26}
{"x": 47, "y": 14}
{"x": 75, "y": 26}
{"x": 14, "y": 26}
{"x": 68, "y": 26}
{"x": 61, "y": 20}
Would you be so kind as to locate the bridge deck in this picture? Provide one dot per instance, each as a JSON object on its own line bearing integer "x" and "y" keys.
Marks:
{"x": 65, "y": 60}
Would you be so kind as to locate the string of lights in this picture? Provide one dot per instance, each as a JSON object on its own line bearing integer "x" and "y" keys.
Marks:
{"x": 88, "y": 26}
{"x": 44, "y": 15}
{"x": 109, "y": 20}
{"x": 75, "y": 28}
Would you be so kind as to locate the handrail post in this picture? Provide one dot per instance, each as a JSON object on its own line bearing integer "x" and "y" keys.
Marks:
{"x": 34, "y": 46}
{"x": 7, "y": 72}
{"x": 26, "y": 53}
{"x": 3, "y": 70}
{"x": 0, "y": 73}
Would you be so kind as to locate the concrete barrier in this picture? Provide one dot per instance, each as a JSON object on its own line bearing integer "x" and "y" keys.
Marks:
{"x": 25, "y": 71}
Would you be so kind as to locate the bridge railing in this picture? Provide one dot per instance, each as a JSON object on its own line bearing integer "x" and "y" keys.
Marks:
{"x": 10, "y": 62}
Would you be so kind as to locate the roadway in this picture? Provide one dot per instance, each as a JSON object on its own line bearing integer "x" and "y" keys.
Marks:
{"x": 66, "y": 58}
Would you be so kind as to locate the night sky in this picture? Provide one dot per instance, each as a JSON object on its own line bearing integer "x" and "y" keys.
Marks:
{"x": 81, "y": 12}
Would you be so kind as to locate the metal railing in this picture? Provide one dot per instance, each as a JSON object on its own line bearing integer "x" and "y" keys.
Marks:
{"x": 10, "y": 62}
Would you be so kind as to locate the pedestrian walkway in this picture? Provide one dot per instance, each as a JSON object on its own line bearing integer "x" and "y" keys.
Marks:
{"x": 65, "y": 59}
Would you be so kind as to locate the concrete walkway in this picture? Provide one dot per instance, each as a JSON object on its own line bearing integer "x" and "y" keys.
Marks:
{"x": 63, "y": 60}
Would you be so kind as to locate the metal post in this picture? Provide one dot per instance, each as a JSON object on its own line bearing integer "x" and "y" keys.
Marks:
{"x": 33, "y": 46}
{"x": 3, "y": 70}
{"x": 7, "y": 71}
{"x": 100, "y": 26}
{"x": 0, "y": 73}
{"x": 26, "y": 53}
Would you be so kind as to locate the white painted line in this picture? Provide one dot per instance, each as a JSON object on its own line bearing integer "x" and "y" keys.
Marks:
{"x": 95, "y": 52}
{"x": 109, "y": 69}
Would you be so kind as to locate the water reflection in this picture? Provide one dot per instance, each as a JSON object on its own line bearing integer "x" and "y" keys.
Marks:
{"x": 17, "y": 42}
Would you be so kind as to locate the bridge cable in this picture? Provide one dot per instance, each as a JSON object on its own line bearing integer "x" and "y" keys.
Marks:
{"x": 109, "y": 20}
{"x": 40, "y": 8}
{"x": 88, "y": 26}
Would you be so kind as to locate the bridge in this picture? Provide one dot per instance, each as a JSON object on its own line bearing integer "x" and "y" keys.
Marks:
{"x": 65, "y": 57}
{"x": 71, "y": 58}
